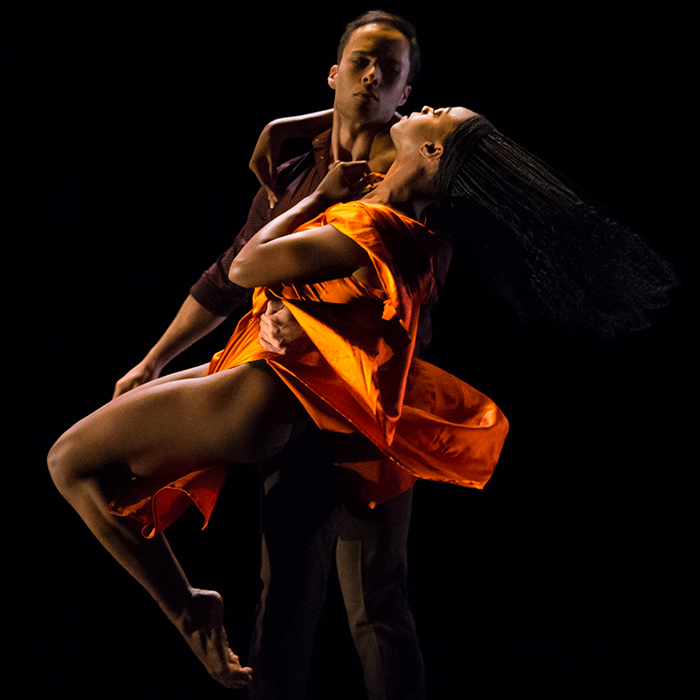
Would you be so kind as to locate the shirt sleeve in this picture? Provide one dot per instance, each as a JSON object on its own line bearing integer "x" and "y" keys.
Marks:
{"x": 213, "y": 290}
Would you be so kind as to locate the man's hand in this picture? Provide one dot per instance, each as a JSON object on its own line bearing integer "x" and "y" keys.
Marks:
{"x": 264, "y": 160}
{"x": 191, "y": 323}
{"x": 279, "y": 331}
{"x": 144, "y": 372}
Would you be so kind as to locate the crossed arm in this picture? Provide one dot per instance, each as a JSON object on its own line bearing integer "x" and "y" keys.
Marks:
{"x": 277, "y": 253}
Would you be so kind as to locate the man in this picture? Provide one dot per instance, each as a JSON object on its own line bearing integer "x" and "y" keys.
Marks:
{"x": 307, "y": 509}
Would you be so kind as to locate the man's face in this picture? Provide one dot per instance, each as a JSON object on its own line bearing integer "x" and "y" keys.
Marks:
{"x": 370, "y": 81}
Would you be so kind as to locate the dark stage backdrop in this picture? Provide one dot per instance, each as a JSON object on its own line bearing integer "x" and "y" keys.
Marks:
{"x": 564, "y": 570}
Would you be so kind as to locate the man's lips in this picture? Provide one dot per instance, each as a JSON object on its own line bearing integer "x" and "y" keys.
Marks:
{"x": 366, "y": 96}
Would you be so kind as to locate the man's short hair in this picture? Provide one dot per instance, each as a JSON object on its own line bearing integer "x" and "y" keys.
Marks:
{"x": 399, "y": 23}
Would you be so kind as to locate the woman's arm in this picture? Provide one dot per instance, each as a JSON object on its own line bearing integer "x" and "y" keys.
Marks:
{"x": 277, "y": 254}
{"x": 314, "y": 255}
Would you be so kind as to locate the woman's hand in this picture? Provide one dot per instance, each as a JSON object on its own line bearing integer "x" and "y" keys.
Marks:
{"x": 345, "y": 182}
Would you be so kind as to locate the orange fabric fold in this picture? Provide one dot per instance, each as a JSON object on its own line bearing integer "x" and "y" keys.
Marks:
{"x": 360, "y": 374}
{"x": 155, "y": 504}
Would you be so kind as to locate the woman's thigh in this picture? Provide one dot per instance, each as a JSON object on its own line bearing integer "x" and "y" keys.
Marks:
{"x": 191, "y": 373}
{"x": 173, "y": 428}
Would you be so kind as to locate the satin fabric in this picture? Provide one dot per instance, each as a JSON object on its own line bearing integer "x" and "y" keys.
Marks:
{"x": 360, "y": 375}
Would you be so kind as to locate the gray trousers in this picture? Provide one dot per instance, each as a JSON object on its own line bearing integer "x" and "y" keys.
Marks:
{"x": 309, "y": 519}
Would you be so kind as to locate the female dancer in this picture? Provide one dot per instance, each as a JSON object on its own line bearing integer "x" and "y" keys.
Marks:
{"x": 186, "y": 425}
{"x": 190, "y": 421}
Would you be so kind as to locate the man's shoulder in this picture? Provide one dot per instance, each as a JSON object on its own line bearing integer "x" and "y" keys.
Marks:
{"x": 290, "y": 170}
{"x": 319, "y": 150}
{"x": 302, "y": 172}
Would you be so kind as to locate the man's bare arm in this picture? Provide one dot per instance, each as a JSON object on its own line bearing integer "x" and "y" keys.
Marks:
{"x": 265, "y": 158}
{"x": 191, "y": 323}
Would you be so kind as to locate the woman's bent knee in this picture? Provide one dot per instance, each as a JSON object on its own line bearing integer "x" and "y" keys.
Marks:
{"x": 65, "y": 464}
{"x": 59, "y": 465}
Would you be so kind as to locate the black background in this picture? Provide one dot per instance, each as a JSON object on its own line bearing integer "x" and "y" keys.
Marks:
{"x": 134, "y": 131}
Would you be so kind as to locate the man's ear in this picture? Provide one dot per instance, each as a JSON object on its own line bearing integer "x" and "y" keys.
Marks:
{"x": 406, "y": 93}
{"x": 331, "y": 76}
{"x": 432, "y": 151}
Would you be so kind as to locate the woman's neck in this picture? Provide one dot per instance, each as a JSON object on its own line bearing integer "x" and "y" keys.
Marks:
{"x": 405, "y": 189}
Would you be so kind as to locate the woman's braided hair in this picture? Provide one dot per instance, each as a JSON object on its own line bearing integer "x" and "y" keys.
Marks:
{"x": 530, "y": 227}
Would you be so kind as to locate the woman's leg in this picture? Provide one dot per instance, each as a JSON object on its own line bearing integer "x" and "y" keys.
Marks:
{"x": 170, "y": 429}
{"x": 192, "y": 373}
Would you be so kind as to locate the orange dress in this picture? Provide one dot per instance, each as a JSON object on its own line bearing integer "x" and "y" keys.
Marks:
{"x": 360, "y": 375}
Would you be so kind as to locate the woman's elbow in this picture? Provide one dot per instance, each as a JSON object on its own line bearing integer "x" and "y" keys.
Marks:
{"x": 237, "y": 274}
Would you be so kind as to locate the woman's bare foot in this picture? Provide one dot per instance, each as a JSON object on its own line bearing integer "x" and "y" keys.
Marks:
{"x": 202, "y": 626}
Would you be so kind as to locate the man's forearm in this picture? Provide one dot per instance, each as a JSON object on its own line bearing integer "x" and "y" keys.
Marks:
{"x": 303, "y": 125}
{"x": 191, "y": 323}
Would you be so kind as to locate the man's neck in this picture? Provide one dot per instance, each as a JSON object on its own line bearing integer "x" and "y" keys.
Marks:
{"x": 354, "y": 141}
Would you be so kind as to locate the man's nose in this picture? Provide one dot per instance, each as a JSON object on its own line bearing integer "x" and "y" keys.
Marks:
{"x": 372, "y": 76}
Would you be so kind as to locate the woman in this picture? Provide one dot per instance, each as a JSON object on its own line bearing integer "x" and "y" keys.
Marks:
{"x": 195, "y": 421}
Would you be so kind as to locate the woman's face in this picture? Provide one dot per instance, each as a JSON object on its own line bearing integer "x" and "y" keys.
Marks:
{"x": 428, "y": 126}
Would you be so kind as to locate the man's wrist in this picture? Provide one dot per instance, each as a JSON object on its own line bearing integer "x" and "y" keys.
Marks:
{"x": 154, "y": 362}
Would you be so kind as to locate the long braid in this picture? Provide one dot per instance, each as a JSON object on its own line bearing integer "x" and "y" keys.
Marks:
{"x": 582, "y": 268}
